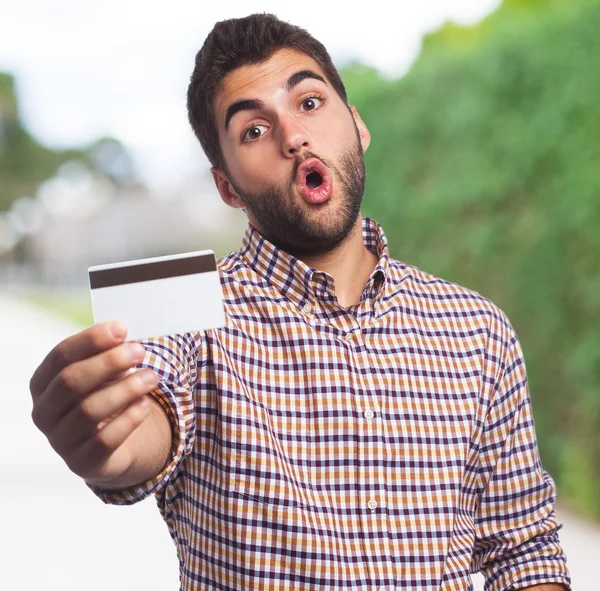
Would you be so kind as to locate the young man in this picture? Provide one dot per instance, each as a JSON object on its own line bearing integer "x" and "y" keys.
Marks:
{"x": 358, "y": 423}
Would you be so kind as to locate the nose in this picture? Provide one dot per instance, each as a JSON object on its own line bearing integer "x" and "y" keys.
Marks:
{"x": 294, "y": 138}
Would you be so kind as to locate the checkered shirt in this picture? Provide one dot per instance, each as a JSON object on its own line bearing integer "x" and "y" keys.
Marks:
{"x": 388, "y": 445}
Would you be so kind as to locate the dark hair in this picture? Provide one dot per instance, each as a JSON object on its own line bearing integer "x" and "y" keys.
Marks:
{"x": 238, "y": 42}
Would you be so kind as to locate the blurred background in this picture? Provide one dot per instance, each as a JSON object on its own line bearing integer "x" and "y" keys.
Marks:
{"x": 483, "y": 169}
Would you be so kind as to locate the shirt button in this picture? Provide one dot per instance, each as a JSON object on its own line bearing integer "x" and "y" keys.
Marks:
{"x": 306, "y": 309}
{"x": 372, "y": 504}
{"x": 369, "y": 414}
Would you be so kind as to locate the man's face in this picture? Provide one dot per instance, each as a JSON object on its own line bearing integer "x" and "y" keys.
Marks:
{"x": 294, "y": 153}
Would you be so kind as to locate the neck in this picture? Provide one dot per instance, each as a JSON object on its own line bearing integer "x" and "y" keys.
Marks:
{"x": 350, "y": 265}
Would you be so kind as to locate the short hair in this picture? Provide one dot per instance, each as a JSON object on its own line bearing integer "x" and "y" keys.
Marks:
{"x": 238, "y": 42}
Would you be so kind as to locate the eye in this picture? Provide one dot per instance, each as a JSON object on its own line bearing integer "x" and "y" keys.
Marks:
{"x": 311, "y": 103}
{"x": 253, "y": 133}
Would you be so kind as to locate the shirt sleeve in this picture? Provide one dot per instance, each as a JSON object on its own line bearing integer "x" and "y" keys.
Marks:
{"x": 176, "y": 360}
{"x": 516, "y": 531}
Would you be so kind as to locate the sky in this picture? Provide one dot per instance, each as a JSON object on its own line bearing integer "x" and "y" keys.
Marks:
{"x": 121, "y": 67}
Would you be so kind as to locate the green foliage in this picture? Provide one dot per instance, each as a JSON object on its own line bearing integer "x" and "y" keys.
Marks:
{"x": 483, "y": 169}
{"x": 362, "y": 82}
{"x": 24, "y": 163}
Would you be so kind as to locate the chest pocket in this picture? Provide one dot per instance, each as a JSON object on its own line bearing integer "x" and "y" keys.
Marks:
{"x": 272, "y": 460}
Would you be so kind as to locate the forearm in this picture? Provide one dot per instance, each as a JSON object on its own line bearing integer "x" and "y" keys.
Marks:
{"x": 149, "y": 445}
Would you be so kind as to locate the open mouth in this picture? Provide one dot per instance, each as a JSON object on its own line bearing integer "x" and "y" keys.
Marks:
{"x": 313, "y": 180}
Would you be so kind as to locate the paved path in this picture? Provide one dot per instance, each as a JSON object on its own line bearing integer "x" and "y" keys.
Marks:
{"x": 57, "y": 536}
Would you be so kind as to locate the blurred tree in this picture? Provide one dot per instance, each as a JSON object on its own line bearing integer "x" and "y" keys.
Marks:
{"x": 362, "y": 82}
{"x": 110, "y": 157}
{"x": 483, "y": 169}
{"x": 25, "y": 163}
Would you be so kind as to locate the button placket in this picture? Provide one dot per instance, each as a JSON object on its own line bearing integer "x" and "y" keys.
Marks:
{"x": 353, "y": 331}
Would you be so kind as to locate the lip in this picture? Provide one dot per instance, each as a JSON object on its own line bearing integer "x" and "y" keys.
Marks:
{"x": 323, "y": 192}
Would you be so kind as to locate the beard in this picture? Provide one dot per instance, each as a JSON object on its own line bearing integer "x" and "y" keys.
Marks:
{"x": 287, "y": 225}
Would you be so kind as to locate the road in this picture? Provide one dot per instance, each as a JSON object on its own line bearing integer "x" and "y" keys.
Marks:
{"x": 57, "y": 536}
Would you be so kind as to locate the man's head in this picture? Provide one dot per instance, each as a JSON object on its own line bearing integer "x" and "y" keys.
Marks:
{"x": 271, "y": 113}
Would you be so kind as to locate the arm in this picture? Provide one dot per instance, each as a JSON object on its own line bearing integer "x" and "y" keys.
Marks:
{"x": 167, "y": 437}
{"x": 516, "y": 532}
{"x": 124, "y": 433}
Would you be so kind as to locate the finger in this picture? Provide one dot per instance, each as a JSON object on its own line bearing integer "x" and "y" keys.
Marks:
{"x": 79, "y": 379}
{"x": 95, "y": 411}
{"x": 94, "y": 458}
{"x": 84, "y": 344}
{"x": 121, "y": 375}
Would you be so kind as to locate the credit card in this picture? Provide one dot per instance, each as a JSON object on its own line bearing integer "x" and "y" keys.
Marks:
{"x": 159, "y": 296}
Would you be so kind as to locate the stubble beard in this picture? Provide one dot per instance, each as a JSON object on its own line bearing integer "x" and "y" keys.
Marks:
{"x": 287, "y": 224}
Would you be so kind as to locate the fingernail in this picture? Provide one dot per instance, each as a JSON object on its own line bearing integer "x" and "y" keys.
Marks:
{"x": 149, "y": 378}
{"x": 118, "y": 330}
{"x": 137, "y": 351}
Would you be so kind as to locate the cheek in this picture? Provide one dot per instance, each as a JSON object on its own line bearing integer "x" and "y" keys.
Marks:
{"x": 261, "y": 169}
{"x": 256, "y": 175}
{"x": 334, "y": 136}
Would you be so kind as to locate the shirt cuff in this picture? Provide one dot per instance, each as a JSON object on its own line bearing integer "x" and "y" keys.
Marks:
{"x": 528, "y": 574}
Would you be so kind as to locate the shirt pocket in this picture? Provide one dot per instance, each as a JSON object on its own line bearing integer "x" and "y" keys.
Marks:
{"x": 271, "y": 451}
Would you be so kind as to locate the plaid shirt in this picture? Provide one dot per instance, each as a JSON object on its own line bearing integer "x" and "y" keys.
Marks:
{"x": 388, "y": 445}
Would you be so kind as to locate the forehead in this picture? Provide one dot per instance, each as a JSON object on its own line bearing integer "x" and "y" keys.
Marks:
{"x": 261, "y": 80}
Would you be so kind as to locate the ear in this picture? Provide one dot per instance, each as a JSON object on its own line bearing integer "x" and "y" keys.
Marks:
{"x": 226, "y": 190}
{"x": 363, "y": 132}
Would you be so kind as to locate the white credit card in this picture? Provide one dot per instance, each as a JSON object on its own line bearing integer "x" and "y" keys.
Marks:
{"x": 159, "y": 296}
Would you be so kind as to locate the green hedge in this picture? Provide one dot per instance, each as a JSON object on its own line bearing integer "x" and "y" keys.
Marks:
{"x": 484, "y": 169}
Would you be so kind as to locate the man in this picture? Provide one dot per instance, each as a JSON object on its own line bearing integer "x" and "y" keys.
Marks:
{"x": 358, "y": 423}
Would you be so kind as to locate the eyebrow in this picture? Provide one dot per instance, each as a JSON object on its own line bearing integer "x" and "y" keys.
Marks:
{"x": 251, "y": 104}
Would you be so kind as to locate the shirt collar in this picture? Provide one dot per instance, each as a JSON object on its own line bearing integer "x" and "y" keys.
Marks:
{"x": 302, "y": 284}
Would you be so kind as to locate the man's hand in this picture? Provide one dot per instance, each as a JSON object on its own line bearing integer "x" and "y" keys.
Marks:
{"x": 87, "y": 403}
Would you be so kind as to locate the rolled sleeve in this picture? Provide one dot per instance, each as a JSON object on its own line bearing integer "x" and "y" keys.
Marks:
{"x": 516, "y": 531}
{"x": 175, "y": 359}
